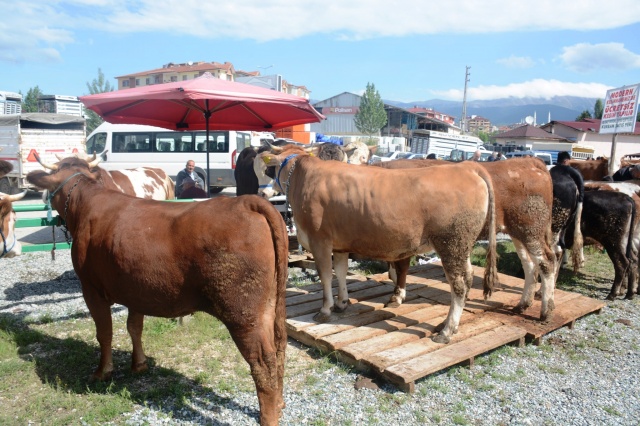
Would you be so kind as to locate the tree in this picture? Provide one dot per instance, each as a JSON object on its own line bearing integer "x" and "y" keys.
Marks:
{"x": 584, "y": 114}
{"x": 371, "y": 116}
{"x": 98, "y": 85}
{"x": 30, "y": 102}
{"x": 598, "y": 109}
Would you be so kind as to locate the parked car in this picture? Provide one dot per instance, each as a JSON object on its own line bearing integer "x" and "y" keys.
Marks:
{"x": 544, "y": 156}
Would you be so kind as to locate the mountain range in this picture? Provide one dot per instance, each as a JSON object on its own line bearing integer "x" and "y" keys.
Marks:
{"x": 510, "y": 110}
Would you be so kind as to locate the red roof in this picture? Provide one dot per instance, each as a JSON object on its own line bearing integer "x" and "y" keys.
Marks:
{"x": 194, "y": 67}
{"x": 589, "y": 125}
{"x": 528, "y": 132}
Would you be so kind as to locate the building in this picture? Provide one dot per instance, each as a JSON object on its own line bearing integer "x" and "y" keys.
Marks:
{"x": 431, "y": 113}
{"x": 397, "y": 134}
{"x": 477, "y": 124}
{"x": 172, "y": 72}
{"x": 10, "y": 103}
{"x": 586, "y": 132}
{"x": 526, "y": 137}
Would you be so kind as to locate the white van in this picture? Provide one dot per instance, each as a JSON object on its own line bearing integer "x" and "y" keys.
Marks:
{"x": 544, "y": 156}
{"x": 126, "y": 146}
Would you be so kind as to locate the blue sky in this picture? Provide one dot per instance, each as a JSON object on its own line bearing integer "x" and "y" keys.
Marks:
{"x": 411, "y": 50}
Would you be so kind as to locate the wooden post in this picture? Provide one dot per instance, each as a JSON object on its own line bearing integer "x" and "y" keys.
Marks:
{"x": 612, "y": 158}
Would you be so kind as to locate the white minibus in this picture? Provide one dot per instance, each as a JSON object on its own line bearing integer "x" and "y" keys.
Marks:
{"x": 126, "y": 146}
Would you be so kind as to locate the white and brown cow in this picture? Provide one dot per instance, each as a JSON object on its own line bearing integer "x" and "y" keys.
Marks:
{"x": 10, "y": 245}
{"x": 150, "y": 183}
{"x": 342, "y": 209}
{"x": 132, "y": 251}
{"x": 524, "y": 200}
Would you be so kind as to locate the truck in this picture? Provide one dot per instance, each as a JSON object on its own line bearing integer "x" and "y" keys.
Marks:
{"x": 60, "y": 104}
{"x": 48, "y": 135}
{"x": 441, "y": 144}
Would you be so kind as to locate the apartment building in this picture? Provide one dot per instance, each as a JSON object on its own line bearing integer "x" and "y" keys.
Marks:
{"x": 173, "y": 72}
{"x": 476, "y": 124}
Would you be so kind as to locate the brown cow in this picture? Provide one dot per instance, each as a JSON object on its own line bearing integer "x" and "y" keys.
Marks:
{"x": 225, "y": 256}
{"x": 524, "y": 199}
{"x": 341, "y": 209}
{"x": 591, "y": 169}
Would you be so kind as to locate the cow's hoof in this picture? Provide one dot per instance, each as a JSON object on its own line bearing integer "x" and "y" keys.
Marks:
{"x": 140, "y": 368}
{"x": 629, "y": 296}
{"x": 392, "y": 304}
{"x": 611, "y": 296}
{"x": 100, "y": 377}
{"x": 441, "y": 338}
{"x": 321, "y": 318}
{"x": 518, "y": 309}
{"x": 336, "y": 308}
{"x": 545, "y": 318}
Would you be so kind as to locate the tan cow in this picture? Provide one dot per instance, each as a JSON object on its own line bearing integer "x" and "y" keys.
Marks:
{"x": 387, "y": 215}
{"x": 224, "y": 256}
{"x": 524, "y": 200}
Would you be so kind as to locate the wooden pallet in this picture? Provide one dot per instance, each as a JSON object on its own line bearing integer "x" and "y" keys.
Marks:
{"x": 396, "y": 343}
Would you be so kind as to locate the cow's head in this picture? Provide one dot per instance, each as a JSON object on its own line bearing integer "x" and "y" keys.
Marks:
{"x": 359, "y": 152}
{"x": 10, "y": 245}
{"x": 635, "y": 171}
{"x": 280, "y": 159}
{"x": 61, "y": 173}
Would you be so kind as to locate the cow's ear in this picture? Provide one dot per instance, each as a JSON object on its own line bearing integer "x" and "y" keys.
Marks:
{"x": 41, "y": 179}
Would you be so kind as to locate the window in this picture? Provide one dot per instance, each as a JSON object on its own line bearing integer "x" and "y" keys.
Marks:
{"x": 125, "y": 83}
{"x": 137, "y": 82}
{"x": 217, "y": 142}
{"x": 184, "y": 77}
{"x": 147, "y": 81}
{"x": 131, "y": 142}
{"x": 243, "y": 140}
{"x": 174, "y": 78}
{"x": 171, "y": 142}
{"x": 157, "y": 79}
{"x": 96, "y": 143}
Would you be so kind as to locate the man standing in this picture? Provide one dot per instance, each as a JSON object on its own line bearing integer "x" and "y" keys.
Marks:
{"x": 188, "y": 172}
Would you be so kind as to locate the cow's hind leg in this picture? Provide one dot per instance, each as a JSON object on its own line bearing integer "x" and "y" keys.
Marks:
{"x": 341, "y": 266}
{"x": 620, "y": 267}
{"x": 256, "y": 342}
{"x": 457, "y": 277}
{"x": 135, "y": 324}
{"x": 398, "y": 273}
{"x": 100, "y": 310}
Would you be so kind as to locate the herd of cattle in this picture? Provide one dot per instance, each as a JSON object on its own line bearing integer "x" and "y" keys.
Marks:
{"x": 228, "y": 256}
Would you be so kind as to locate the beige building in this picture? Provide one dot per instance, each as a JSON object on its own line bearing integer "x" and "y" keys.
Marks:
{"x": 226, "y": 71}
{"x": 477, "y": 124}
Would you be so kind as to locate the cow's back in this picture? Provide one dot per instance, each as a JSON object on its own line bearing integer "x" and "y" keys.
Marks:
{"x": 372, "y": 208}
{"x": 591, "y": 169}
{"x": 142, "y": 182}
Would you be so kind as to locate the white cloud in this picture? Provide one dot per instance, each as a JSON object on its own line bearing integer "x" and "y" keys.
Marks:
{"x": 537, "y": 88}
{"x": 258, "y": 20}
{"x": 516, "y": 62}
{"x": 585, "y": 57}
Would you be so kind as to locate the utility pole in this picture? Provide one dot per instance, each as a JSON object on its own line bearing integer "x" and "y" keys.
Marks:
{"x": 463, "y": 120}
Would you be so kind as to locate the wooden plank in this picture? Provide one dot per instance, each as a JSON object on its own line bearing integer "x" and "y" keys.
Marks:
{"x": 453, "y": 354}
{"x": 358, "y": 344}
{"x": 470, "y": 325}
{"x": 318, "y": 295}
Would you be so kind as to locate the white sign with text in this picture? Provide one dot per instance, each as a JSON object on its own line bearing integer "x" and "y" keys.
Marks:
{"x": 620, "y": 110}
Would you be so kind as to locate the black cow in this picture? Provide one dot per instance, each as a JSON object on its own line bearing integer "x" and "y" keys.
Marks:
{"x": 609, "y": 219}
{"x": 568, "y": 194}
{"x": 246, "y": 179}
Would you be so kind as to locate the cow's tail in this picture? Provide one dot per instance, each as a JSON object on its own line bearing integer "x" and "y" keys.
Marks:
{"x": 491, "y": 268}
{"x": 632, "y": 230}
{"x": 577, "y": 255}
{"x": 281, "y": 250}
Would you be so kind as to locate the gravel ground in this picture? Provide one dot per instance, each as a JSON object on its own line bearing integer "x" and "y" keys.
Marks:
{"x": 585, "y": 376}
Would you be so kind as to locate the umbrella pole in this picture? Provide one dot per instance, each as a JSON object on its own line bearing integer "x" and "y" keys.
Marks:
{"x": 207, "y": 115}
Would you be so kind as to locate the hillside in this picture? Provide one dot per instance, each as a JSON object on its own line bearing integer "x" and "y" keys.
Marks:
{"x": 510, "y": 110}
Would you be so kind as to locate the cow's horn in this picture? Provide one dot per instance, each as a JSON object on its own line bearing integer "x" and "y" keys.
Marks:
{"x": 274, "y": 149}
{"x": 93, "y": 163}
{"x": 14, "y": 197}
{"x": 45, "y": 165}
